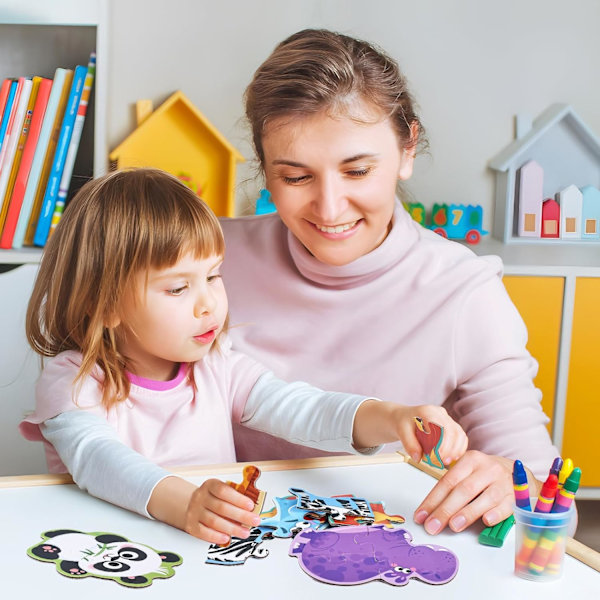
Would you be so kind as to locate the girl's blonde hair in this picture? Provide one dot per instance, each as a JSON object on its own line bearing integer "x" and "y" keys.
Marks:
{"x": 315, "y": 70}
{"x": 115, "y": 227}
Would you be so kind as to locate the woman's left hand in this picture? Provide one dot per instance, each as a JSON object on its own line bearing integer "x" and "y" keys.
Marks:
{"x": 477, "y": 485}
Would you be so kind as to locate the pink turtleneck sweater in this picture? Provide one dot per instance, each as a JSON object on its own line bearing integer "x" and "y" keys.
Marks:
{"x": 419, "y": 320}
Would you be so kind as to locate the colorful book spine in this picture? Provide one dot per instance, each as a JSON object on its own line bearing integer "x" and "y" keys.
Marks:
{"x": 60, "y": 156}
{"x": 10, "y": 119}
{"x": 65, "y": 180}
{"x": 38, "y": 162}
{"x": 7, "y": 111}
{"x": 15, "y": 127}
{"x": 16, "y": 202}
{"x": 4, "y": 94}
{"x": 26, "y": 125}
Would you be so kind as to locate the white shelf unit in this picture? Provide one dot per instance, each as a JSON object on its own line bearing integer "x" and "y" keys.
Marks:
{"x": 36, "y": 37}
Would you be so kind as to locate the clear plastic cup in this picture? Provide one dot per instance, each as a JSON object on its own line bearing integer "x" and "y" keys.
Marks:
{"x": 540, "y": 543}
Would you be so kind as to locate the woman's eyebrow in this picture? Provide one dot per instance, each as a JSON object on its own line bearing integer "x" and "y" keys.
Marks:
{"x": 359, "y": 157}
{"x": 350, "y": 159}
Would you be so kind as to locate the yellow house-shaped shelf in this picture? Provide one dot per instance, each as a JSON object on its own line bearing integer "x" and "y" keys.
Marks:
{"x": 178, "y": 138}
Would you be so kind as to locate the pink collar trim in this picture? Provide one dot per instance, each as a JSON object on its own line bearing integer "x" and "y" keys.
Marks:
{"x": 159, "y": 386}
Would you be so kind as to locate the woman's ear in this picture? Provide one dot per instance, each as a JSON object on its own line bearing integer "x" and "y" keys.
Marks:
{"x": 407, "y": 160}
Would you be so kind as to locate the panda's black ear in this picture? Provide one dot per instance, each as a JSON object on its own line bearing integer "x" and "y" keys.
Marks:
{"x": 55, "y": 532}
{"x": 170, "y": 557}
{"x": 135, "y": 581}
{"x": 109, "y": 538}
{"x": 46, "y": 551}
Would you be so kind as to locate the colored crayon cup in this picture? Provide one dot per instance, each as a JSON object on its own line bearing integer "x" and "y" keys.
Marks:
{"x": 540, "y": 543}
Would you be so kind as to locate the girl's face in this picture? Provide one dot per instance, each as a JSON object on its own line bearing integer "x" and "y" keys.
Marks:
{"x": 175, "y": 318}
{"x": 333, "y": 180}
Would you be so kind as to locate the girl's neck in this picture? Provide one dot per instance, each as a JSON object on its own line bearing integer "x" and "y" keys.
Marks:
{"x": 159, "y": 372}
{"x": 154, "y": 383}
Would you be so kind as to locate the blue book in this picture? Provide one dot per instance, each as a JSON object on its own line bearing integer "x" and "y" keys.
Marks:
{"x": 64, "y": 139}
{"x": 7, "y": 110}
{"x": 39, "y": 155}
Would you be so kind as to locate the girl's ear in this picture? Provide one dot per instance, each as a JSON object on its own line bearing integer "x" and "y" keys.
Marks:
{"x": 408, "y": 154}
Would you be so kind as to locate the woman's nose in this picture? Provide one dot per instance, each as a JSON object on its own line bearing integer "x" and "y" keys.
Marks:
{"x": 330, "y": 201}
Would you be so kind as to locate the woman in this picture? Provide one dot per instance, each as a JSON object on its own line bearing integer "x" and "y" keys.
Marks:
{"x": 343, "y": 288}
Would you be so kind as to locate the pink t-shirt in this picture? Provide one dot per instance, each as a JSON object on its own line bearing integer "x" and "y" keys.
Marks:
{"x": 419, "y": 320}
{"x": 167, "y": 422}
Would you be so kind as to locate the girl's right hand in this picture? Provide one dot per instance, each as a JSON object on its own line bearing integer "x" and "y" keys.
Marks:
{"x": 216, "y": 512}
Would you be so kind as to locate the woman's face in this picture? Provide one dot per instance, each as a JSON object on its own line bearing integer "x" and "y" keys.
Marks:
{"x": 333, "y": 180}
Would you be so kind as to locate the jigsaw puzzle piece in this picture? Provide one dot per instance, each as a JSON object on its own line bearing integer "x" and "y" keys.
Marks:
{"x": 337, "y": 508}
{"x": 352, "y": 555}
{"x": 239, "y": 550}
{"x": 248, "y": 488}
{"x": 382, "y": 518}
{"x": 430, "y": 436}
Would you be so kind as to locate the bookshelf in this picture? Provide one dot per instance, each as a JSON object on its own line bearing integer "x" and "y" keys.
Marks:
{"x": 36, "y": 37}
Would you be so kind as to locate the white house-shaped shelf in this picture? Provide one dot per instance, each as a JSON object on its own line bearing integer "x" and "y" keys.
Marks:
{"x": 569, "y": 155}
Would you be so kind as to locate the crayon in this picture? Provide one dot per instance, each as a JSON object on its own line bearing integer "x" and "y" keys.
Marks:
{"x": 548, "y": 550}
{"x": 556, "y": 466}
{"x": 565, "y": 471}
{"x": 520, "y": 486}
{"x": 543, "y": 505}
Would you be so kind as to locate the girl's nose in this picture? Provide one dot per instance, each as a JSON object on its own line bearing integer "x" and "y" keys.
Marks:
{"x": 205, "y": 304}
{"x": 330, "y": 201}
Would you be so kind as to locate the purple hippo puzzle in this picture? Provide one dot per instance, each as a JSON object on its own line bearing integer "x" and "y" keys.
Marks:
{"x": 358, "y": 554}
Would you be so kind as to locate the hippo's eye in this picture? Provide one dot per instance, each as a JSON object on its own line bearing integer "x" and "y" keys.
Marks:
{"x": 402, "y": 570}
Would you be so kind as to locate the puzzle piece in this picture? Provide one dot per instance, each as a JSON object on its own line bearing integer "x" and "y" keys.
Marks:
{"x": 352, "y": 555}
{"x": 104, "y": 555}
{"x": 287, "y": 519}
{"x": 337, "y": 508}
{"x": 238, "y": 550}
{"x": 430, "y": 436}
{"x": 382, "y": 518}
{"x": 248, "y": 487}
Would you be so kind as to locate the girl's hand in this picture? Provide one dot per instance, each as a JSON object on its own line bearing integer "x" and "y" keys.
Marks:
{"x": 384, "y": 422}
{"x": 478, "y": 485}
{"x": 454, "y": 441}
{"x": 216, "y": 513}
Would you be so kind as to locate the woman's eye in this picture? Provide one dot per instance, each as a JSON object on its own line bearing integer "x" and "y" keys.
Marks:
{"x": 295, "y": 180}
{"x": 212, "y": 278}
{"x": 359, "y": 172}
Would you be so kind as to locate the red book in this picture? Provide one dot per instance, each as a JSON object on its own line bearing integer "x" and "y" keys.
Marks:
{"x": 4, "y": 94}
{"x": 23, "y": 173}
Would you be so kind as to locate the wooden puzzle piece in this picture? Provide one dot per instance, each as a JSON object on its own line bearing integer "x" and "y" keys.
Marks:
{"x": 430, "y": 436}
{"x": 105, "y": 556}
{"x": 338, "y": 508}
{"x": 248, "y": 487}
{"x": 238, "y": 550}
{"x": 382, "y": 518}
{"x": 352, "y": 555}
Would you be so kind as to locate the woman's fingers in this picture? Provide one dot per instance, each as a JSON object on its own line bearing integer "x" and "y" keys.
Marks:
{"x": 477, "y": 485}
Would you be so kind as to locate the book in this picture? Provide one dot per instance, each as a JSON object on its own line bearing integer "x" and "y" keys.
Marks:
{"x": 65, "y": 181}
{"x": 4, "y": 94}
{"x": 58, "y": 163}
{"x": 16, "y": 201}
{"x": 12, "y": 90}
{"x": 23, "y": 135}
{"x": 45, "y": 146}
{"x": 13, "y": 134}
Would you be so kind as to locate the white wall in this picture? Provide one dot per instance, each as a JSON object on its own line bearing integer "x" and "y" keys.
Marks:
{"x": 472, "y": 66}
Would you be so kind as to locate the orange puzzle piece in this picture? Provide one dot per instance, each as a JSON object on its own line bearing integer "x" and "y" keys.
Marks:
{"x": 247, "y": 487}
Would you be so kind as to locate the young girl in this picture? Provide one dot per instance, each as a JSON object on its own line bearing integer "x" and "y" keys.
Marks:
{"x": 130, "y": 305}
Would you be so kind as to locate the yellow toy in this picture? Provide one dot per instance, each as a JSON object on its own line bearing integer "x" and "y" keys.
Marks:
{"x": 178, "y": 138}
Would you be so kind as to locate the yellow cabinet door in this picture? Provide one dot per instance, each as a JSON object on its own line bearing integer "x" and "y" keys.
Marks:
{"x": 540, "y": 302}
{"x": 581, "y": 441}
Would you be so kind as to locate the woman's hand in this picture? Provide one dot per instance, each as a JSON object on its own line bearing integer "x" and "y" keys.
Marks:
{"x": 478, "y": 485}
{"x": 384, "y": 422}
{"x": 213, "y": 512}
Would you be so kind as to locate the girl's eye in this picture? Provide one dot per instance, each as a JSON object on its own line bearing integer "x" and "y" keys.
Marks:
{"x": 177, "y": 291}
{"x": 213, "y": 278}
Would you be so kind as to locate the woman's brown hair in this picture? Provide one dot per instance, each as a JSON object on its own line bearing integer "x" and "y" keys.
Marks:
{"x": 115, "y": 227}
{"x": 315, "y": 70}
